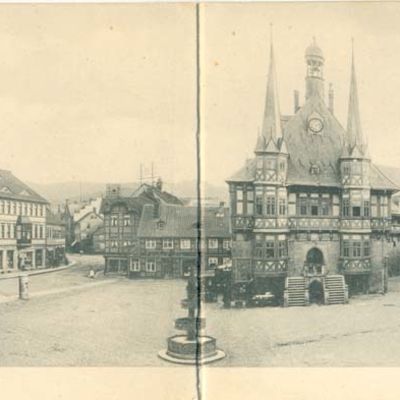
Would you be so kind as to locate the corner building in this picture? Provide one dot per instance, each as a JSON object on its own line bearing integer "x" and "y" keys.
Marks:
{"x": 310, "y": 212}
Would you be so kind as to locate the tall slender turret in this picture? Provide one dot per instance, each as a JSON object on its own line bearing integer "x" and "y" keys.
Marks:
{"x": 315, "y": 68}
{"x": 355, "y": 141}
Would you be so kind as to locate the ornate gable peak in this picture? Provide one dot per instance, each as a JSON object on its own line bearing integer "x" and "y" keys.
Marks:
{"x": 260, "y": 146}
{"x": 271, "y": 147}
{"x": 283, "y": 147}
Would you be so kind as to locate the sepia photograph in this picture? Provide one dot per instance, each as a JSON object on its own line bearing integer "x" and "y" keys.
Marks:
{"x": 200, "y": 189}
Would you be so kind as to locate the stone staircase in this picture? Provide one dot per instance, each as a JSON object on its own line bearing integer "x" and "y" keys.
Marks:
{"x": 296, "y": 292}
{"x": 335, "y": 289}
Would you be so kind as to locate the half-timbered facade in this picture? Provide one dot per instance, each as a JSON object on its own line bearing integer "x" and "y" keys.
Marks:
{"x": 167, "y": 241}
{"x": 121, "y": 221}
{"x": 311, "y": 212}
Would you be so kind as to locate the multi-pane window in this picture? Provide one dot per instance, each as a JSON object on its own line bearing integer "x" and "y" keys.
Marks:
{"x": 355, "y": 247}
{"x": 325, "y": 205}
{"x": 367, "y": 249}
{"x": 226, "y": 260}
{"x": 366, "y": 208}
{"x": 270, "y": 204}
{"x": 114, "y": 243}
{"x": 150, "y": 244}
{"x": 1, "y": 207}
{"x": 150, "y": 266}
{"x": 258, "y": 248}
{"x": 127, "y": 220}
{"x": 346, "y": 169}
{"x": 270, "y": 249}
{"x": 250, "y": 202}
{"x": 213, "y": 243}
{"x": 314, "y": 207}
{"x": 259, "y": 204}
{"x": 239, "y": 201}
{"x": 226, "y": 244}
{"x": 114, "y": 220}
{"x": 185, "y": 244}
{"x": 135, "y": 266}
{"x": 346, "y": 207}
{"x": 212, "y": 261}
{"x": 303, "y": 205}
{"x": 282, "y": 249}
{"x": 346, "y": 248}
{"x": 168, "y": 244}
{"x": 282, "y": 206}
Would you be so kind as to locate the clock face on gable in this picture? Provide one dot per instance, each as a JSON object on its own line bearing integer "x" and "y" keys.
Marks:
{"x": 315, "y": 125}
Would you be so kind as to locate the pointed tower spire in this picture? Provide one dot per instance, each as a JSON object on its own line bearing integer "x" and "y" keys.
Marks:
{"x": 272, "y": 128}
{"x": 354, "y": 132}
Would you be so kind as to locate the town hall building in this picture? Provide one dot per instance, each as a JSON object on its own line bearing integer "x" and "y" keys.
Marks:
{"x": 310, "y": 212}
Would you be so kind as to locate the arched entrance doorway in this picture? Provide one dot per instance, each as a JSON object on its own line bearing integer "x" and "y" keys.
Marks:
{"x": 316, "y": 292}
{"x": 314, "y": 261}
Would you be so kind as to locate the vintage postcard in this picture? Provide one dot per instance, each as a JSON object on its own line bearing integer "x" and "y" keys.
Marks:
{"x": 207, "y": 195}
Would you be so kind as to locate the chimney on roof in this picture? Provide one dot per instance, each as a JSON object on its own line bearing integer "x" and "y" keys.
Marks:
{"x": 296, "y": 101}
{"x": 222, "y": 204}
{"x": 331, "y": 98}
{"x": 159, "y": 184}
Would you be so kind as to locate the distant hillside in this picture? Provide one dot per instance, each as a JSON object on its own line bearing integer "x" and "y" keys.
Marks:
{"x": 57, "y": 193}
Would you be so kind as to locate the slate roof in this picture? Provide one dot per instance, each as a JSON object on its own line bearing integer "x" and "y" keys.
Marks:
{"x": 182, "y": 222}
{"x": 12, "y": 188}
{"x": 152, "y": 192}
{"x": 131, "y": 203}
{"x": 306, "y": 150}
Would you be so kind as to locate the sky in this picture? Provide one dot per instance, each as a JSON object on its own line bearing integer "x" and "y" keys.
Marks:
{"x": 89, "y": 92}
{"x": 236, "y": 57}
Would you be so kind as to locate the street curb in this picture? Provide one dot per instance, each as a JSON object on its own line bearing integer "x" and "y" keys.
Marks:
{"x": 44, "y": 293}
{"x": 37, "y": 272}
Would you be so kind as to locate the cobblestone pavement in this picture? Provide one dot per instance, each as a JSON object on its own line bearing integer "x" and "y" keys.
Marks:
{"x": 126, "y": 323}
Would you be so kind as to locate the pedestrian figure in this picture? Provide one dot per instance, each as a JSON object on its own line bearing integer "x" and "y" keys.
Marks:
{"x": 91, "y": 274}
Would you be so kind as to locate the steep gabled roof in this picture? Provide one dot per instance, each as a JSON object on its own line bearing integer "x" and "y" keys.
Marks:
{"x": 12, "y": 188}
{"x": 152, "y": 192}
{"x": 308, "y": 150}
{"x": 182, "y": 222}
{"x": 133, "y": 204}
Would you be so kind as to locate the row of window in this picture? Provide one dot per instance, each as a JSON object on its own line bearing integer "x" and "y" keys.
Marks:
{"x": 150, "y": 266}
{"x": 55, "y": 233}
{"x": 12, "y": 231}
{"x": 118, "y": 220}
{"x": 186, "y": 244}
{"x": 12, "y": 207}
{"x": 270, "y": 247}
{"x": 125, "y": 243}
{"x": 356, "y": 248}
{"x": 270, "y": 203}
